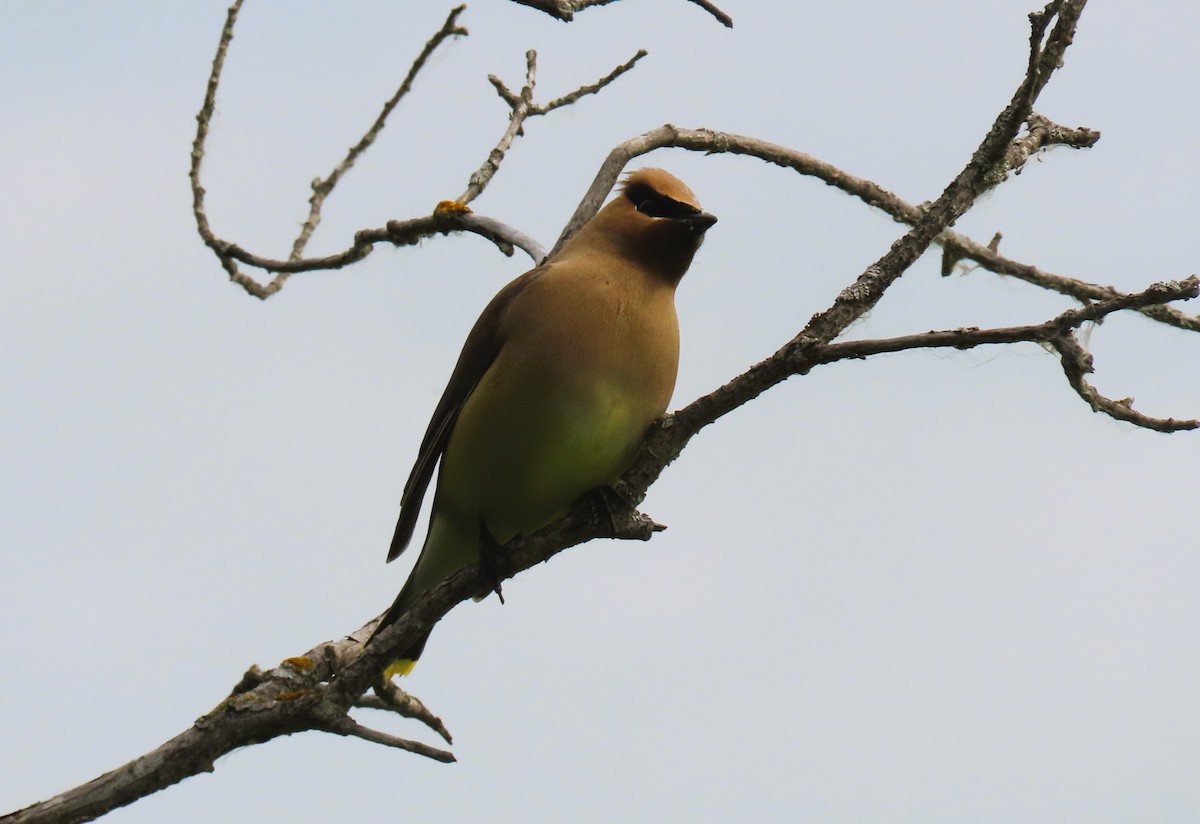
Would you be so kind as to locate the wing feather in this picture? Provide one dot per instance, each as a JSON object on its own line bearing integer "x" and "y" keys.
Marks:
{"x": 478, "y": 353}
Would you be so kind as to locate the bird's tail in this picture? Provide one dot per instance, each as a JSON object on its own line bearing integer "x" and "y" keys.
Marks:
{"x": 405, "y": 663}
{"x": 450, "y": 546}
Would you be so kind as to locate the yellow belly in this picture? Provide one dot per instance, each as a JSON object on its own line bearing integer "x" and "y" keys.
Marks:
{"x": 522, "y": 451}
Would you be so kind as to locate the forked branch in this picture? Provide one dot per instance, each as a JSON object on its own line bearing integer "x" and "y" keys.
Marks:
{"x": 443, "y": 220}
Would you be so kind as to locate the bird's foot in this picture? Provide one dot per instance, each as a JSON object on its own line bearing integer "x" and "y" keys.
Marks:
{"x": 490, "y": 551}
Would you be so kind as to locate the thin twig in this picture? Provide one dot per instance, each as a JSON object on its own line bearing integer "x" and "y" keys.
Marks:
{"x": 1042, "y": 134}
{"x": 958, "y": 247}
{"x": 203, "y": 119}
{"x": 390, "y": 697}
{"x": 229, "y": 254}
{"x": 348, "y": 726}
{"x": 721, "y": 16}
{"x": 522, "y": 107}
{"x": 399, "y": 233}
{"x": 591, "y": 88}
{"x": 1077, "y": 363}
{"x": 1057, "y": 326}
{"x": 322, "y": 188}
{"x": 565, "y": 9}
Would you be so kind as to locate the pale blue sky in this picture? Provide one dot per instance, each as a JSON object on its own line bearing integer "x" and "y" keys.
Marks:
{"x": 932, "y": 587}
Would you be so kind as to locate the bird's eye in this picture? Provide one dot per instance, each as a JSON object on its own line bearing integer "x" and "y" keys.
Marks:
{"x": 657, "y": 205}
{"x": 646, "y": 207}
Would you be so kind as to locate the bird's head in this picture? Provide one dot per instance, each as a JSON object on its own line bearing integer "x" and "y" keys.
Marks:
{"x": 655, "y": 220}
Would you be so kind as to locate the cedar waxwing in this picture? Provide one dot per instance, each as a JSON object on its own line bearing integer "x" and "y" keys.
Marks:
{"x": 557, "y": 385}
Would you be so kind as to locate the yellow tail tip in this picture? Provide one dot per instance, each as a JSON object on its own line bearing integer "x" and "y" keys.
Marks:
{"x": 401, "y": 666}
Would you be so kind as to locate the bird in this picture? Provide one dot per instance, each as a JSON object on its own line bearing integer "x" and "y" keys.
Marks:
{"x": 557, "y": 385}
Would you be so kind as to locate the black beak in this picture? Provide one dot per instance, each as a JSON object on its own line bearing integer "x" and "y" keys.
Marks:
{"x": 700, "y": 222}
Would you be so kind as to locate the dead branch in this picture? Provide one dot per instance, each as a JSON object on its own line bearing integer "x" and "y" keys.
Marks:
{"x": 523, "y": 107}
{"x": 398, "y": 233}
{"x": 229, "y": 254}
{"x": 322, "y": 188}
{"x": 590, "y": 88}
{"x": 1076, "y": 363}
{"x": 349, "y": 727}
{"x": 797, "y": 355}
{"x": 565, "y": 9}
{"x": 1058, "y": 333}
{"x": 520, "y": 105}
{"x": 387, "y": 696}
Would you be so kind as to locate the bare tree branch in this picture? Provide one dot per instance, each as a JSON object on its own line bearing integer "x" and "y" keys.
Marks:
{"x": 229, "y": 253}
{"x": 202, "y": 123}
{"x": 590, "y": 88}
{"x": 1046, "y": 332}
{"x": 565, "y": 9}
{"x": 446, "y": 217}
{"x": 1077, "y": 363}
{"x": 1042, "y": 134}
{"x": 796, "y": 356}
{"x": 523, "y": 107}
{"x": 562, "y": 9}
{"x": 957, "y": 246}
{"x": 721, "y": 16}
{"x": 348, "y": 726}
{"x": 1057, "y": 333}
{"x": 322, "y": 188}
{"x": 520, "y": 105}
{"x": 388, "y": 696}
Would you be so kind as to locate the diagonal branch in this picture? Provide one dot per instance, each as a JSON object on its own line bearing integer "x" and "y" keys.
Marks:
{"x": 797, "y": 356}
{"x": 958, "y": 247}
{"x": 349, "y": 727}
{"x": 590, "y": 88}
{"x": 582, "y": 523}
{"x": 723, "y": 18}
{"x": 665, "y": 442}
{"x": 390, "y": 697}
